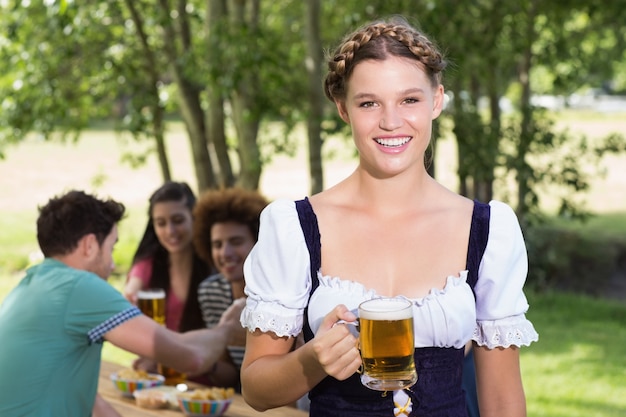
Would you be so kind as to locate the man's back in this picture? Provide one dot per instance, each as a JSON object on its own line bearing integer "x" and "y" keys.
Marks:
{"x": 51, "y": 326}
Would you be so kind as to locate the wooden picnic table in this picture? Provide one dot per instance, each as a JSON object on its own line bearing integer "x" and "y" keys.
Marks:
{"x": 127, "y": 407}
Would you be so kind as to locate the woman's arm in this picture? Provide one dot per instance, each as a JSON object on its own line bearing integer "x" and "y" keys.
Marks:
{"x": 499, "y": 382}
{"x": 138, "y": 278}
{"x": 274, "y": 375}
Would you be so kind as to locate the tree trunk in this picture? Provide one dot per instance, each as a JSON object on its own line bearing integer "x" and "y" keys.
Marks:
{"x": 244, "y": 102}
{"x": 189, "y": 96}
{"x": 158, "y": 112}
{"x": 316, "y": 97}
{"x": 247, "y": 127}
{"x": 193, "y": 116}
{"x": 159, "y": 137}
{"x": 524, "y": 171}
{"x": 215, "y": 116}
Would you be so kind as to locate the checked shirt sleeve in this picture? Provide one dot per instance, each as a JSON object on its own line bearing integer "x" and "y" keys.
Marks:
{"x": 96, "y": 335}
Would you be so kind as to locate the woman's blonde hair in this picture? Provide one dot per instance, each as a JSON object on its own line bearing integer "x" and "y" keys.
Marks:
{"x": 376, "y": 41}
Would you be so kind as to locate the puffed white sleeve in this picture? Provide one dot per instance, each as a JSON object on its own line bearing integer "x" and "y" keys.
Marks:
{"x": 501, "y": 304}
{"x": 277, "y": 273}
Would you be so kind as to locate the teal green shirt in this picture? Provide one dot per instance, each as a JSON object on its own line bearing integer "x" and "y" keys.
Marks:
{"x": 51, "y": 332}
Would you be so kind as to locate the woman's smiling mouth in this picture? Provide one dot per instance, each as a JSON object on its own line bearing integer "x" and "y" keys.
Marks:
{"x": 393, "y": 142}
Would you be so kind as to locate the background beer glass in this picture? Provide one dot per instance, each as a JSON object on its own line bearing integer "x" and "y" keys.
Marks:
{"x": 387, "y": 344}
{"x": 151, "y": 302}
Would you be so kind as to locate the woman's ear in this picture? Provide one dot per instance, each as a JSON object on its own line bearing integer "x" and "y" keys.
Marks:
{"x": 438, "y": 101}
{"x": 341, "y": 109}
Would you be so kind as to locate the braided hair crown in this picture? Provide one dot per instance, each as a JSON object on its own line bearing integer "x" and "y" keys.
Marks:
{"x": 376, "y": 41}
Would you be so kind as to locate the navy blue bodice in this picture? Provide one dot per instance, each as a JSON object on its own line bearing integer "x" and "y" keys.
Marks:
{"x": 438, "y": 391}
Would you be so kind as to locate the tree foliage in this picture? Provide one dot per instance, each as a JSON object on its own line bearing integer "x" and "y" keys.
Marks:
{"x": 230, "y": 68}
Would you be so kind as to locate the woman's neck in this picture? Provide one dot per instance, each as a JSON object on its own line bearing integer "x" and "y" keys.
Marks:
{"x": 402, "y": 191}
{"x": 181, "y": 264}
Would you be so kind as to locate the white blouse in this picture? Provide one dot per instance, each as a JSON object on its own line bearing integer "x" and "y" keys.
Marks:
{"x": 278, "y": 282}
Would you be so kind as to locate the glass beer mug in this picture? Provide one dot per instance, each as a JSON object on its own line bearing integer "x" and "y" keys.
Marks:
{"x": 151, "y": 302}
{"x": 387, "y": 344}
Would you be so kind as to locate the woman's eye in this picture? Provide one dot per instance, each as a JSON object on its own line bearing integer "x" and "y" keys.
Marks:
{"x": 367, "y": 104}
{"x": 411, "y": 100}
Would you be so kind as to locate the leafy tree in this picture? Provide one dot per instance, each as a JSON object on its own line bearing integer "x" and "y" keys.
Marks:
{"x": 50, "y": 55}
{"x": 241, "y": 67}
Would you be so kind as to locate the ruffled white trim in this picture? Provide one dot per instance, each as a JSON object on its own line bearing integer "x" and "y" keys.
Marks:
{"x": 358, "y": 290}
{"x": 512, "y": 331}
{"x": 265, "y": 316}
{"x": 451, "y": 283}
{"x": 443, "y": 317}
{"x": 351, "y": 287}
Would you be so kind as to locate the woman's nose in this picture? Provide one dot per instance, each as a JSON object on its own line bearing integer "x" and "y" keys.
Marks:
{"x": 170, "y": 228}
{"x": 390, "y": 120}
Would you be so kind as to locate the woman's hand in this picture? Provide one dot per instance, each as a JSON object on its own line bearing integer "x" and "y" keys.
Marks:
{"x": 334, "y": 345}
{"x": 131, "y": 289}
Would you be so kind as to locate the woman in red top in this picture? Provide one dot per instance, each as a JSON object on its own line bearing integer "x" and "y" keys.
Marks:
{"x": 165, "y": 257}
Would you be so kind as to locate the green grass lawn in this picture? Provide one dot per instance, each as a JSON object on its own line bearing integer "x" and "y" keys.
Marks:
{"x": 607, "y": 224}
{"x": 578, "y": 367}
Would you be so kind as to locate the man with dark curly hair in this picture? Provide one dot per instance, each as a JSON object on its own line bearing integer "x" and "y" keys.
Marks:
{"x": 226, "y": 227}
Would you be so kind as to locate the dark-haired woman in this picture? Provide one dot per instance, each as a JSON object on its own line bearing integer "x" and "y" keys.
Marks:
{"x": 165, "y": 258}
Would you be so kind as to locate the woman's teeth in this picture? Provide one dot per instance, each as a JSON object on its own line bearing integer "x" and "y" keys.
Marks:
{"x": 392, "y": 142}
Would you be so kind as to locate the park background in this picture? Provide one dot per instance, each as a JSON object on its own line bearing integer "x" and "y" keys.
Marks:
{"x": 54, "y": 84}
{"x": 577, "y": 369}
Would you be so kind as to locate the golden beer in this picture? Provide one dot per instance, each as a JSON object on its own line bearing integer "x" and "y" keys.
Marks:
{"x": 151, "y": 302}
{"x": 387, "y": 344}
{"x": 172, "y": 376}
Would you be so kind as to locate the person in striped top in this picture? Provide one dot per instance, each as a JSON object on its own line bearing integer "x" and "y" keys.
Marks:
{"x": 226, "y": 227}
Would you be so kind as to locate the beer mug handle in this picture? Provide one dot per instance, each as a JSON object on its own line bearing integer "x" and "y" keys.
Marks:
{"x": 356, "y": 326}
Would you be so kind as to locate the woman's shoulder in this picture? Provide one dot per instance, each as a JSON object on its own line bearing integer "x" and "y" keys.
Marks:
{"x": 279, "y": 207}
{"x": 502, "y": 213}
{"x": 142, "y": 268}
{"x": 500, "y": 206}
{"x": 280, "y": 221}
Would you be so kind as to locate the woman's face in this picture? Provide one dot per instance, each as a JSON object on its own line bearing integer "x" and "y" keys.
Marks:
{"x": 173, "y": 225}
{"x": 390, "y": 106}
{"x": 231, "y": 242}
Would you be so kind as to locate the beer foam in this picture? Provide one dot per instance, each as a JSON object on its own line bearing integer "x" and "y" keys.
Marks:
{"x": 151, "y": 295}
{"x": 386, "y": 309}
